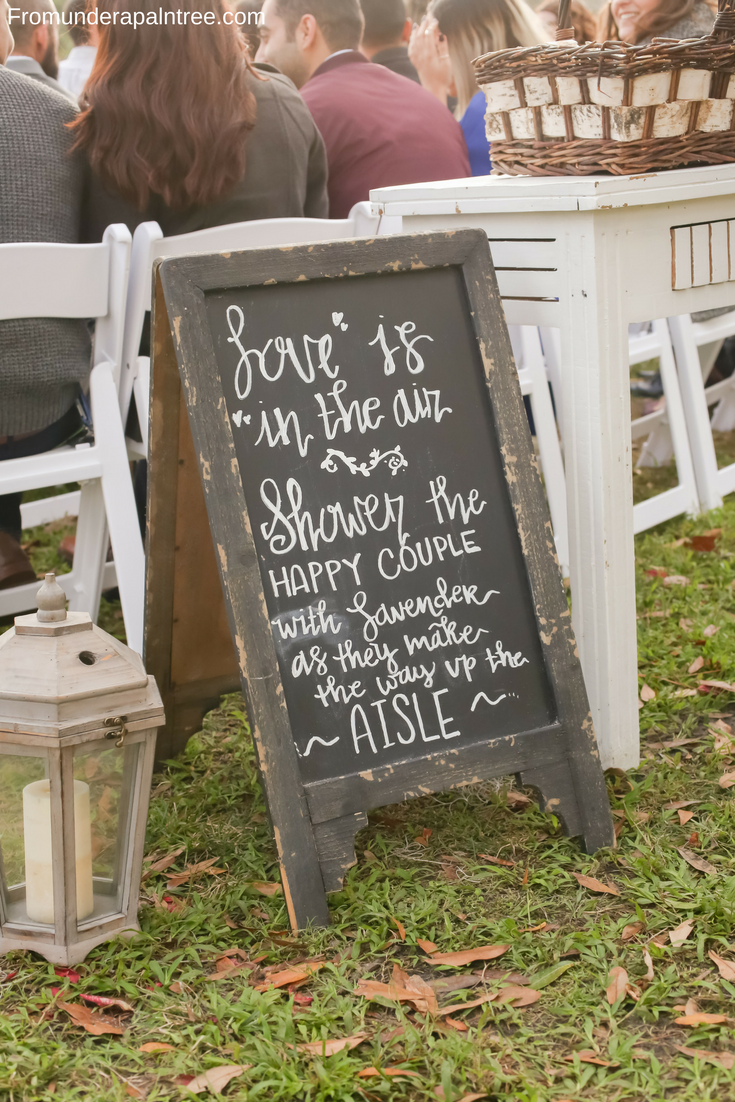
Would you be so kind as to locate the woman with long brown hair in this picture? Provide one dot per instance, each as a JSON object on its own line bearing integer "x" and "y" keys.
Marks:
{"x": 639, "y": 21}
{"x": 179, "y": 127}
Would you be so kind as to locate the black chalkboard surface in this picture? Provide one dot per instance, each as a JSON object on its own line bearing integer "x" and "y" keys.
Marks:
{"x": 383, "y": 540}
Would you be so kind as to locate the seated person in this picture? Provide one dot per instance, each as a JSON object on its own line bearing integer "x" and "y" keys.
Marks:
{"x": 75, "y": 69}
{"x": 386, "y": 35}
{"x": 42, "y": 360}
{"x": 36, "y": 49}
{"x": 226, "y": 142}
{"x": 379, "y": 128}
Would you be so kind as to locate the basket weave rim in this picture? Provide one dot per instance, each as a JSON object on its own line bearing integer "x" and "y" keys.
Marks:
{"x": 609, "y": 58}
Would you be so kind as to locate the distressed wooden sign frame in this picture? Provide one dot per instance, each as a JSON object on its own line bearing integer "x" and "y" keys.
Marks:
{"x": 314, "y": 824}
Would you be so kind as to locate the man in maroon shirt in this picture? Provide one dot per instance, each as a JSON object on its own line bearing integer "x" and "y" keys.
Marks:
{"x": 379, "y": 128}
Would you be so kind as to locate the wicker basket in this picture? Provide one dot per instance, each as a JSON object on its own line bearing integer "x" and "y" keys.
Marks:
{"x": 563, "y": 110}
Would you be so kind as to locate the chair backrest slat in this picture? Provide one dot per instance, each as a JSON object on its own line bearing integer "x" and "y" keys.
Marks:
{"x": 149, "y": 245}
{"x": 48, "y": 280}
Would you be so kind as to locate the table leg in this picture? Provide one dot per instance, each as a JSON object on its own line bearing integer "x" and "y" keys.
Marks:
{"x": 596, "y": 400}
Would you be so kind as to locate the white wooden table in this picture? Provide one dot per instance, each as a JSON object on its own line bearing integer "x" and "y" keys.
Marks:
{"x": 588, "y": 256}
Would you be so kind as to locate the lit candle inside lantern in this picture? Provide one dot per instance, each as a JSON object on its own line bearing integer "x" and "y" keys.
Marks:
{"x": 38, "y": 851}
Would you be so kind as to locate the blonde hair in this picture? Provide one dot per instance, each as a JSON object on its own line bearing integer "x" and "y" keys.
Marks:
{"x": 475, "y": 27}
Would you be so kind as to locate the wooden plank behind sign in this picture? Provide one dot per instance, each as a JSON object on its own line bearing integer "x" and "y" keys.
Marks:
{"x": 382, "y": 536}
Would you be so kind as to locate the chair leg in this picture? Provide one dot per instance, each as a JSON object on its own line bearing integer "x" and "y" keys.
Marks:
{"x": 84, "y": 585}
{"x": 723, "y": 418}
{"x": 696, "y": 411}
{"x": 117, "y": 489}
{"x": 658, "y": 449}
{"x": 548, "y": 443}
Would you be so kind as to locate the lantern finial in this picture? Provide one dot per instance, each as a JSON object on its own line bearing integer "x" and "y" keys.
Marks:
{"x": 51, "y": 601}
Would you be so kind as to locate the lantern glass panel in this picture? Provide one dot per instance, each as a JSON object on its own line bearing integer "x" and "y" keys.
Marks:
{"x": 26, "y": 876}
{"x": 104, "y": 790}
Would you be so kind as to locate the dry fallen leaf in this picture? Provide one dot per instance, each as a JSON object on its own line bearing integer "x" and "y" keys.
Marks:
{"x": 163, "y": 863}
{"x": 594, "y": 885}
{"x": 648, "y": 961}
{"x": 156, "y": 1046}
{"x": 496, "y": 860}
{"x": 423, "y": 838}
{"x": 686, "y": 625}
{"x": 681, "y": 933}
{"x": 519, "y": 996}
{"x": 587, "y": 1057}
{"x": 698, "y": 863}
{"x": 684, "y": 816}
{"x": 727, "y": 780}
{"x": 676, "y": 579}
{"x": 424, "y": 997}
{"x": 367, "y": 1073}
{"x": 189, "y": 871}
{"x": 675, "y": 804}
{"x": 517, "y": 800}
{"x": 216, "y": 1079}
{"x": 467, "y": 956}
{"x": 696, "y": 664}
{"x": 726, "y": 968}
{"x": 616, "y": 988}
{"x": 701, "y": 1019}
{"x": 455, "y": 1023}
{"x": 725, "y": 1060}
{"x": 400, "y": 927}
{"x": 631, "y": 930}
{"x": 266, "y": 889}
{"x": 97, "y": 1024}
{"x": 103, "y": 1000}
{"x": 289, "y": 975}
{"x": 710, "y": 630}
{"x": 726, "y": 686}
{"x": 329, "y": 1048}
{"x": 647, "y": 694}
{"x": 427, "y": 946}
{"x": 705, "y": 542}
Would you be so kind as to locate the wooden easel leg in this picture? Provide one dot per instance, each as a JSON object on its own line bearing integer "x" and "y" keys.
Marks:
{"x": 335, "y": 844}
{"x": 582, "y": 811}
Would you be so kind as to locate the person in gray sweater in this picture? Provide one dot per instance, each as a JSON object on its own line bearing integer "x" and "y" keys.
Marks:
{"x": 36, "y": 49}
{"x": 42, "y": 360}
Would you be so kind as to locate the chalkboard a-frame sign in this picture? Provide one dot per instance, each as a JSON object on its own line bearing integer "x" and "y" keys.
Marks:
{"x": 382, "y": 536}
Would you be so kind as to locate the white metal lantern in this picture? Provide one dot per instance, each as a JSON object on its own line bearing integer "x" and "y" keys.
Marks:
{"x": 78, "y": 719}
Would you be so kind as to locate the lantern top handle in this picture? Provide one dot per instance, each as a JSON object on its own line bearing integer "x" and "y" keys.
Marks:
{"x": 51, "y": 601}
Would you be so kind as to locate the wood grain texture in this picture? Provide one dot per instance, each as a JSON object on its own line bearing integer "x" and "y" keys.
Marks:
{"x": 188, "y": 645}
{"x": 335, "y": 843}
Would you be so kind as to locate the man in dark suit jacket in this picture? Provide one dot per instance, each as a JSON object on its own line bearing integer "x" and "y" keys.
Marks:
{"x": 36, "y": 50}
{"x": 386, "y": 34}
{"x": 42, "y": 360}
{"x": 379, "y": 128}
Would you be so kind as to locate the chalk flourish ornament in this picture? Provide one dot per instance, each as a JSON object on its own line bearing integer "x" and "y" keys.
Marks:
{"x": 394, "y": 458}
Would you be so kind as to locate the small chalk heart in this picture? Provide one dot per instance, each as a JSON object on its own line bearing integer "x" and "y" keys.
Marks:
{"x": 237, "y": 418}
{"x": 246, "y": 418}
{"x": 343, "y": 326}
{"x": 337, "y": 318}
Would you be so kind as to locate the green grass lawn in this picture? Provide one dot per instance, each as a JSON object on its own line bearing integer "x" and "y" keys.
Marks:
{"x": 420, "y": 873}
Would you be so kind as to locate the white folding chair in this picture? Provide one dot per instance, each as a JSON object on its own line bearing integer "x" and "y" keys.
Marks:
{"x": 665, "y": 429}
{"x": 529, "y": 358}
{"x": 81, "y": 281}
{"x": 149, "y": 245}
{"x": 696, "y": 345}
{"x": 666, "y": 433}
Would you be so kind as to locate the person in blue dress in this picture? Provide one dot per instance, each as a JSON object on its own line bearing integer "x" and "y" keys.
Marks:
{"x": 442, "y": 47}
